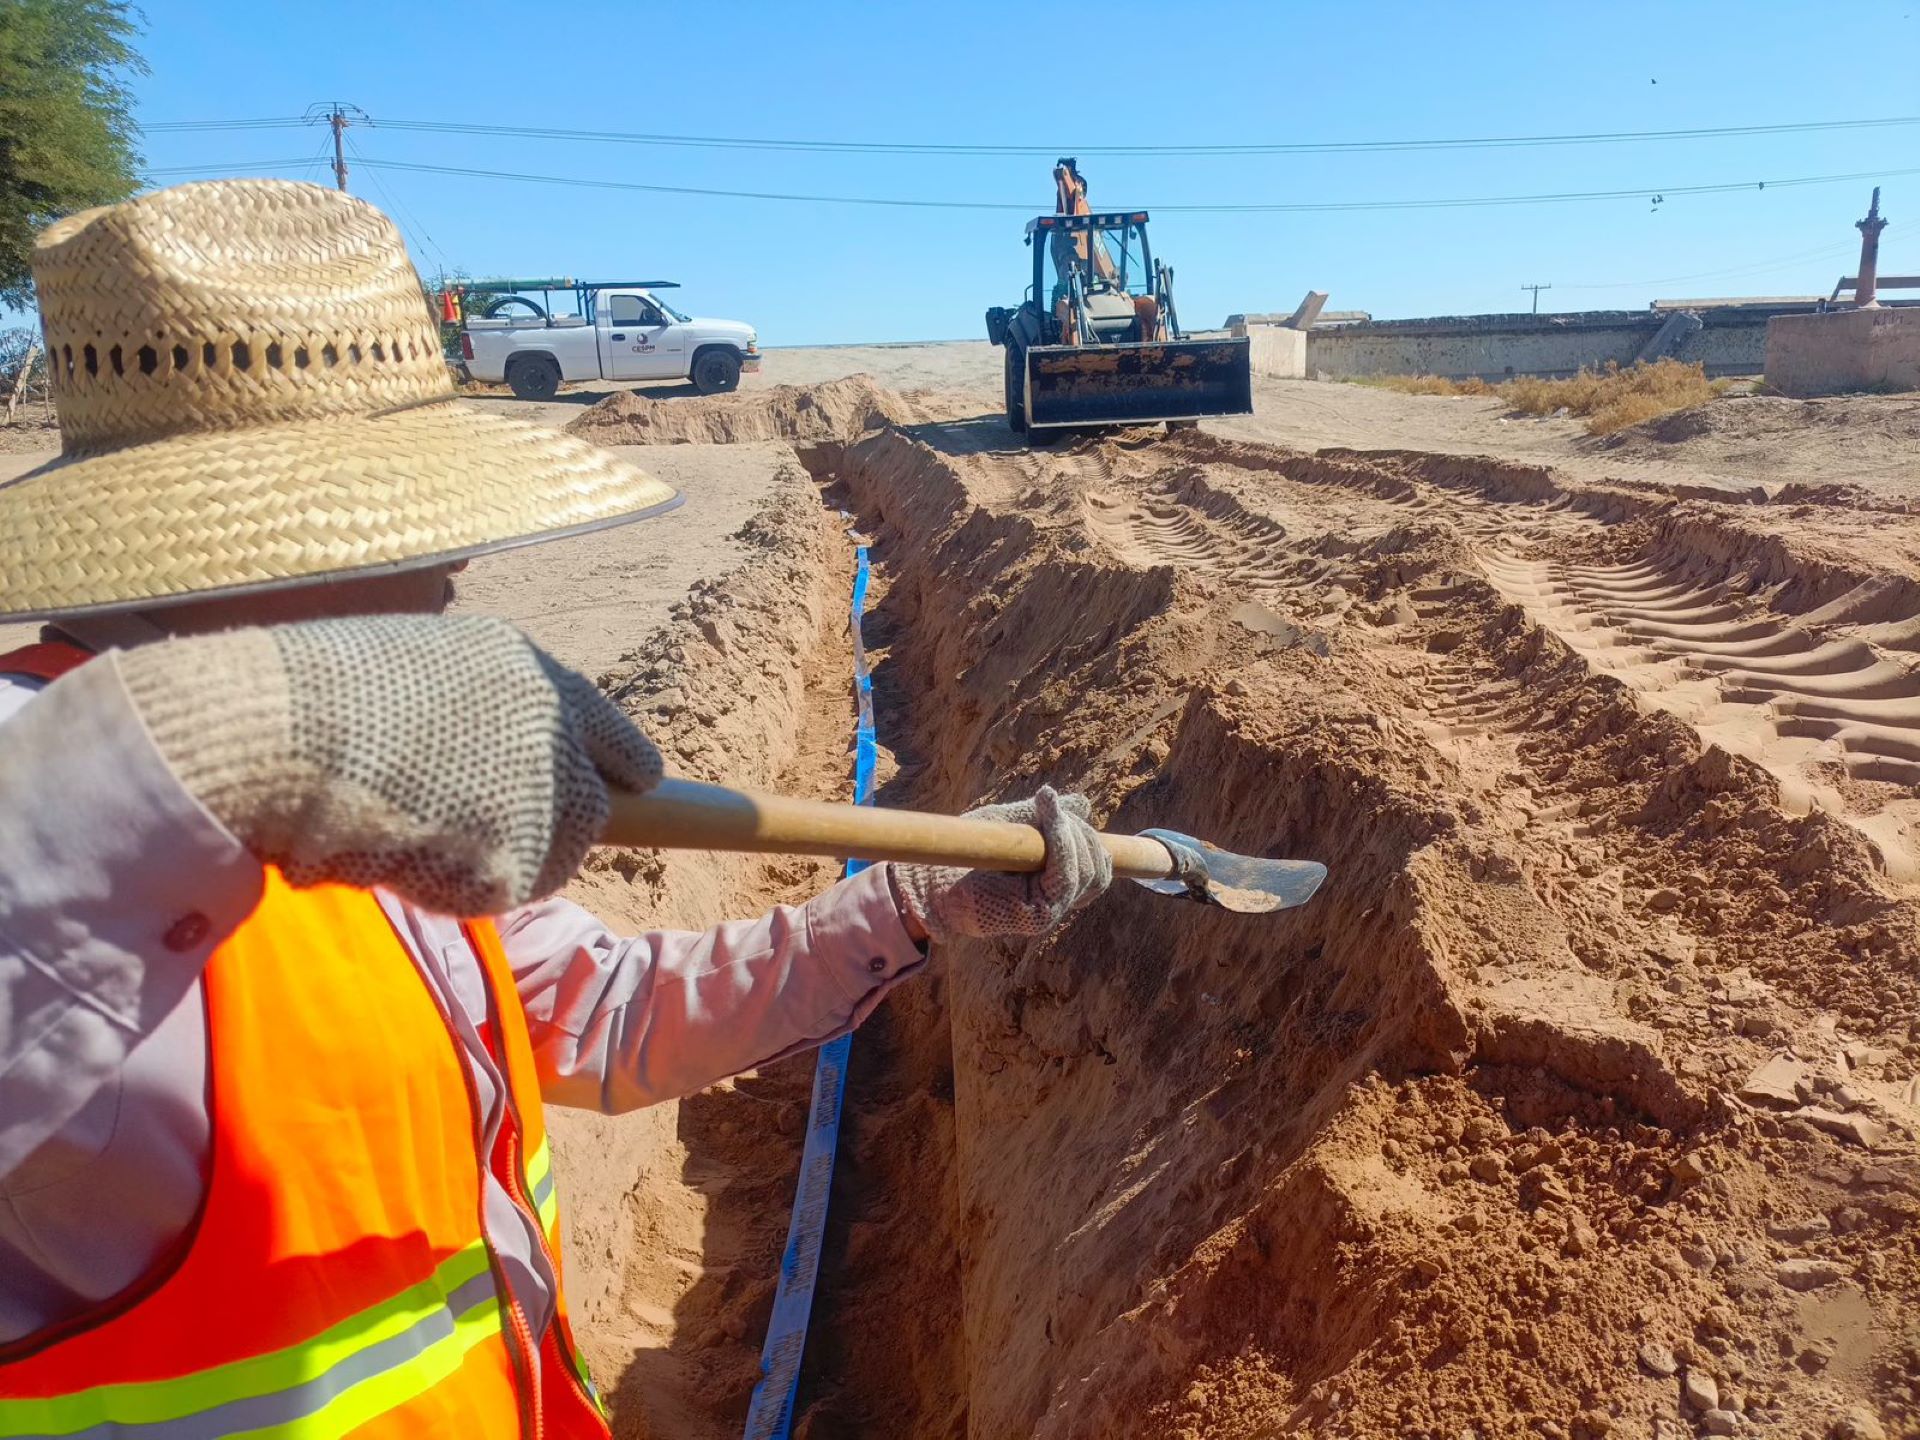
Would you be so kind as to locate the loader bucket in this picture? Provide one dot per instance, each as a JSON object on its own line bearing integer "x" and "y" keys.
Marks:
{"x": 1138, "y": 384}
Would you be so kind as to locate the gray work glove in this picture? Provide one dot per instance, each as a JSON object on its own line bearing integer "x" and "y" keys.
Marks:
{"x": 947, "y": 901}
{"x": 448, "y": 759}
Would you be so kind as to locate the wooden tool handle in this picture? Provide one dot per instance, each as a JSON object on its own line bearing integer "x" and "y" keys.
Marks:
{"x": 686, "y": 815}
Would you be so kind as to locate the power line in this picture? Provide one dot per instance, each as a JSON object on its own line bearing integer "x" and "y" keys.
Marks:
{"x": 1290, "y": 207}
{"x": 694, "y": 189}
{"x": 282, "y": 122}
{"x": 1287, "y": 207}
{"x": 394, "y": 202}
{"x": 317, "y": 166}
{"x": 241, "y": 167}
{"x": 890, "y": 147}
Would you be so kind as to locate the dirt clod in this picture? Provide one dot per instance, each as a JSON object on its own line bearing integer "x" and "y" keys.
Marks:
{"x": 1859, "y": 1424}
{"x": 1699, "y": 1391}
{"x": 1658, "y": 1359}
{"x": 1807, "y": 1274}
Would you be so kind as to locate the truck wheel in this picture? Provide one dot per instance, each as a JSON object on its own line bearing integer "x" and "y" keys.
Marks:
{"x": 1016, "y": 388}
{"x": 716, "y": 371}
{"x": 535, "y": 377}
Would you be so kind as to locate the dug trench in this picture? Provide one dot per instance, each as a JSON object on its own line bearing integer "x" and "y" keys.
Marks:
{"x": 1580, "y": 1102}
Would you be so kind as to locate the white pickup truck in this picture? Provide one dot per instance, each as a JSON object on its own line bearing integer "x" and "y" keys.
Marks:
{"x": 621, "y": 331}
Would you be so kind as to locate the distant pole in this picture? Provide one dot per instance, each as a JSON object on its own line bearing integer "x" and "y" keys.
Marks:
{"x": 339, "y": 122}
{"x": 337, "y": 115}
{"x": 1866, "y": 285}
{"x": 1536, "y": 289}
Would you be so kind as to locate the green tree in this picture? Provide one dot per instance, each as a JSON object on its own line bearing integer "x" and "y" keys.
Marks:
{"x": 66, "y": 127}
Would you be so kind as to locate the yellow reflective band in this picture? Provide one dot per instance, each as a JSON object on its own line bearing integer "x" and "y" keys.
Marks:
{"x": 539, "y": 1165}
{"x": 158, "y": 1401}
{"x": 540, "y": 1173}
{"x": 585, "y": 1377}
{"x": 353, "y": 1408}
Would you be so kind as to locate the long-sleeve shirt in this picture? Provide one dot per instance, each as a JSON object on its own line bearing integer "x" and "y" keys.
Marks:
{"x": 116, "y": 886}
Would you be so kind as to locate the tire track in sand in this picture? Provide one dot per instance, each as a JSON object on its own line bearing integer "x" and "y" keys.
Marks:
{"x": 1812, "y": 698}
{"x": 1193, "y": 527}
{"x": 1821, "y": 707}
{"x": 1815, "y": 700}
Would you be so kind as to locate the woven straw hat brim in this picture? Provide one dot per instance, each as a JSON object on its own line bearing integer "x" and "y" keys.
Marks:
{"x": 222, "y": 513}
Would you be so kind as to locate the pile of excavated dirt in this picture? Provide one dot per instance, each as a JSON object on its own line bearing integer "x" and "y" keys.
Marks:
{"x": 1583, "y": 1100}
{"x": 837, "y": 410}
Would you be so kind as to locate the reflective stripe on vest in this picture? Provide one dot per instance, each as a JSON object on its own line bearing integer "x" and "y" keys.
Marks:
{"x": 576, "y": 1395}
{"x": 361, "y": 1368}
{"x": 541, "y": 1189}
{"x": 546, "y": 1200}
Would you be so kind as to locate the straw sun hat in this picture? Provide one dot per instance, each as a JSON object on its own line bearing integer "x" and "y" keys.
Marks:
{"x": 251, "y": 395}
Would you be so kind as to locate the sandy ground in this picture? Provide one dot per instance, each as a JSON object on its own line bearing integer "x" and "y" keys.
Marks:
{"x": 589, "y": 600}
{"x": 1583, "y": 1102}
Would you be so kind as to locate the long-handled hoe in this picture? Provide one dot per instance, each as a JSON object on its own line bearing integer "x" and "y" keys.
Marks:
{"x": 687, "y": 815}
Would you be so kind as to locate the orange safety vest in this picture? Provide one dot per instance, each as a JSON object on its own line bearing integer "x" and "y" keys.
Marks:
{"x": 338, "y": 1280}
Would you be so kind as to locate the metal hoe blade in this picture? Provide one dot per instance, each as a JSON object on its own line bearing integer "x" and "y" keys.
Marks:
{"x": 1241, "y": 883}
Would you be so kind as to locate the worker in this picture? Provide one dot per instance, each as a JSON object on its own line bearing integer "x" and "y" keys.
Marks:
{"x": 271, "y": 1145}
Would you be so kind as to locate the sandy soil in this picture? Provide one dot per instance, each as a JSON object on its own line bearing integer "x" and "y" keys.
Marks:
{"x": 31, "y": 433}
{"x": 1583, "y": 1102}
{"x": 1745, "y": 444}
{"x": 591, "y": 599}
{"x": 1870, "y": 441}
{"x": 1546, "y": 1078}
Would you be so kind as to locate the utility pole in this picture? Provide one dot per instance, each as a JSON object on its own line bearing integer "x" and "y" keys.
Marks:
{"x": 337, "y": 117}
{"x": 339, "y": 122}
{"x": 1536, "y": 289}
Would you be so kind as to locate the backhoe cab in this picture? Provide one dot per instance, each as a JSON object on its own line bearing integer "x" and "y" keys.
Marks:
{"x": 1097, "y": 341}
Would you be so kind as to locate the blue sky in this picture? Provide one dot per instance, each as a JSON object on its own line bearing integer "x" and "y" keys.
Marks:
{"x": 1041, "y": 75}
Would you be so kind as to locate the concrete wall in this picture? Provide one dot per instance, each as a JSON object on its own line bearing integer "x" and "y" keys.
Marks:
{"x": 1731, "y": 341}
{"x": 1276, "y": 351}
{"x": 1845, "y": 350}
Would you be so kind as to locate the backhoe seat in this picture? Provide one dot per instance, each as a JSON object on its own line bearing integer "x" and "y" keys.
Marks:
{"x": 1112, "y": 316}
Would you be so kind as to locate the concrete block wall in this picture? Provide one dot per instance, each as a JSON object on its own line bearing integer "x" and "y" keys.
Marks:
{"x": 1846, "y": 350}
{"x": 1275, "y": 351}
{"x": 1498, "y": 347}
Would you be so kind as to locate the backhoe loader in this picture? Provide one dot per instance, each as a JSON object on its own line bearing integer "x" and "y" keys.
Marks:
{"x": 1097, "y": 340}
